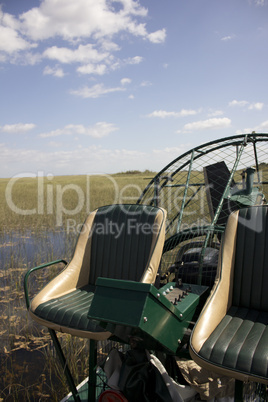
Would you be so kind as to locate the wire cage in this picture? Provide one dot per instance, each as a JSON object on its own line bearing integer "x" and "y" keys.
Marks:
{"x": 199, "y": 190}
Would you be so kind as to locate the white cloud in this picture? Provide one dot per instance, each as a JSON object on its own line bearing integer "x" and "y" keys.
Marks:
{"x": 70, "y": 20}
{"x": 93, "y": 60}
{"x": 214, "y": 123}
{"x": 263, "y": 126}
{"x": 99, "y": 130}
{"x": 171, "y": 152}
{"x": 83, "y": 54}
{"x": 125, "y": 81}
{"x": 117, "y": 63}
{"x": 17, "y": 128}
{"x": 146, "y": 84}
{"x": 260, "y": 128}
{"x": 250, "y": 106}
{"x": 227, "y": 38}
{"x": 260, "y": 3}
{"x": 98, "y": 69}
{"x": 55, "y": 144}
{"x": 55, "y": 71}
{"x": 8, "y": 20}
{"x": 256, "y": 106}
{"x": 96, "y": 91}
{"x": 214, "y": 113}
{"x": 97, "y": 22}
{"x": 27, "y": 58}
{"x": 164, "y": 114}
{"x": 238, "y": 103}
{"x": 157, "y": 36}
{"x": 11, "y": 41}
{"x": 30, "y": 162}
{"x": 134, "y": 60}
{"x": 109, "y": 46}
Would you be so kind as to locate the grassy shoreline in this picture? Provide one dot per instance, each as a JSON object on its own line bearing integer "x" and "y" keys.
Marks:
{"x": 48, "y": 202}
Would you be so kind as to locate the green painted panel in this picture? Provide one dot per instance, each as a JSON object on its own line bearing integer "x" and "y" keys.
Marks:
{"x": 133, "y": 309}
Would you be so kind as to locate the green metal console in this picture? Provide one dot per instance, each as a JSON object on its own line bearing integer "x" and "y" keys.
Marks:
{"x": 155, "y": 318}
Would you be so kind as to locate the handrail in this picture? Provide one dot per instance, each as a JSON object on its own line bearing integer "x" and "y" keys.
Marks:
{"x": 35, "y": 269}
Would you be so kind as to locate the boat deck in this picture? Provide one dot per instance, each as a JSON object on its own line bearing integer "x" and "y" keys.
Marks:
{"x": 82, "y": 388}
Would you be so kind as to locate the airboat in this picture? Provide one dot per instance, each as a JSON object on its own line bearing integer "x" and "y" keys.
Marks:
{"x": 180, "y": 287}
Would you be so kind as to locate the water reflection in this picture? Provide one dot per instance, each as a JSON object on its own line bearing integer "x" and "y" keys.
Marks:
{"x": 20, "y": 337}
{"x": 32, "y": 248}
{"x": 20, "y": 251}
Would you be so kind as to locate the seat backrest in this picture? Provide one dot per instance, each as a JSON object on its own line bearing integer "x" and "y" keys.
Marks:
{"x": 216, "y": 179}
{"x": 122, "y": 241}
{"x": 251, "y": 259}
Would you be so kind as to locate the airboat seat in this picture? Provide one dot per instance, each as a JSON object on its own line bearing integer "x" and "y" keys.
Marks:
{"x": 230, "y": 336}
{"x": 216, "y": 178}
{"x": 116, "y": 241}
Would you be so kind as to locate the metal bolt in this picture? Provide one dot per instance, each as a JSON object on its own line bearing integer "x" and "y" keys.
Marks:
{"x": 145, "y": 319}
{"x": 179, "y": 341}
{"x": 180, "y": 315}
{"x": 158, "y": 295}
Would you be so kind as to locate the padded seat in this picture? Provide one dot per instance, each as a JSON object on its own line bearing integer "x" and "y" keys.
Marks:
{"x": 216, "y": 178}
{"x": 116, "y": 241}
{"x": 240, "y": 342}
{"x": 231, "y": 334}
{"x": 70, "y": 311}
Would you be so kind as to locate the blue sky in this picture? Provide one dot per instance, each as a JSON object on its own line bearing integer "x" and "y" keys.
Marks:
{"x": 104, "y": 86}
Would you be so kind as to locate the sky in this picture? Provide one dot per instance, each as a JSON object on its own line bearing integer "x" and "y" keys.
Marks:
{"x": 107, "y": 86}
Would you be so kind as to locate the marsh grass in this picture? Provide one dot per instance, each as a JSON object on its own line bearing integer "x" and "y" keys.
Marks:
{"x": 35, "y": 202}
{"x": 29, "y": 368}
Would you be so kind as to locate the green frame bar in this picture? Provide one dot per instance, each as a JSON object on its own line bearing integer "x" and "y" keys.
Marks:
{"x": 28, "y": 273}
{"x": 64, "y": 365}
{"x": 185, "y": 191}
{"x": 92, "y": 376}
{"x": 217, "y": 213}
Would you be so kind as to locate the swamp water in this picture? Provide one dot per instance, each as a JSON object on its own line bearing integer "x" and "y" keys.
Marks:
{"x": 28, "y": 366}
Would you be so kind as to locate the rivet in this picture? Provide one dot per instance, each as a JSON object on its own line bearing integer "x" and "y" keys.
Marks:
{"x": 179, "y": 341}
{"x": 158, "y": 295}
{"x": 145, "y": 319}
{"x": 180, "y": 315}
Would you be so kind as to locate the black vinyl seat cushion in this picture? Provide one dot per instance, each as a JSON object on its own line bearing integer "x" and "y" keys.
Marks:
{"x": 70, "y": 310}
{"x": 239, "y": 342}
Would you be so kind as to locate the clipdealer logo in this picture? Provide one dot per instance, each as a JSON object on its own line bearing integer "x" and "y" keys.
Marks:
{"x": 109, "y": 227}
{"x": 50, "y": 196}
{"x": 49, "y": 200}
